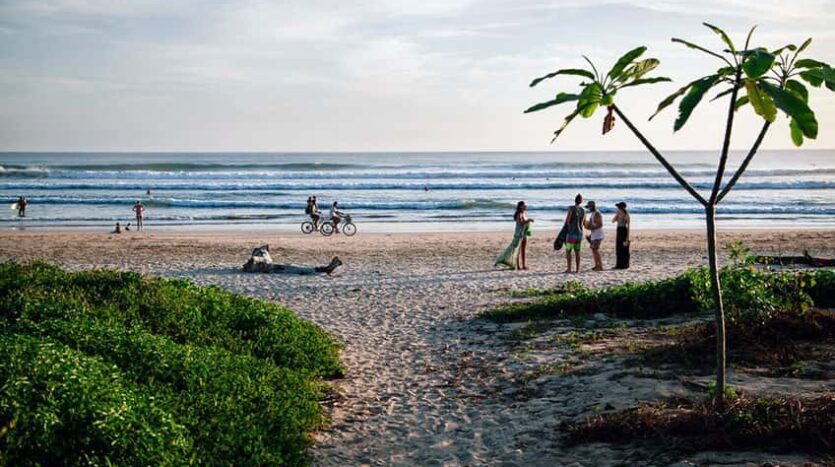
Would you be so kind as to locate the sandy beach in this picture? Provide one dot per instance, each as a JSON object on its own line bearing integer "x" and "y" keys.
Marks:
{"x": 427, "y": 383}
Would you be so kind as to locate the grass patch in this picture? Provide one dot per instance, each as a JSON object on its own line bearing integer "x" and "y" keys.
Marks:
{"x": 779, "y": 342}
{"x": 785, "y": 424}
{"x": 106, "y": 367}
{"x": 745, "y": 290}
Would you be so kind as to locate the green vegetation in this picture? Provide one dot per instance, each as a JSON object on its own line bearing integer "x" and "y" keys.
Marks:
{"x": 772, "y": 80}
{"x": 805, "y": 424}
{"x": 106, "y": 367}
{"x": 750, "y": 295}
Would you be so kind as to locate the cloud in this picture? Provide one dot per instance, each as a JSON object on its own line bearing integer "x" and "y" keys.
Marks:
{"x": 408, "y": 66}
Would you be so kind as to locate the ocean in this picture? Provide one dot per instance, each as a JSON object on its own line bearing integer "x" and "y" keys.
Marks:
{"x": 390, "y": 192}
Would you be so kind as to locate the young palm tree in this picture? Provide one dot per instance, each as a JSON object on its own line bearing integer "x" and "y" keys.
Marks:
{"x": 772, "y": 82}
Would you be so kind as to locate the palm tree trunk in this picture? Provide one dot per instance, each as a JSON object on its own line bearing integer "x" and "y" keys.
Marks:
{"x": 716, "y": 289}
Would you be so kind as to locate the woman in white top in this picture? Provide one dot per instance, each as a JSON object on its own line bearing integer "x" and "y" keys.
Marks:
{"x": 595, "y": 224}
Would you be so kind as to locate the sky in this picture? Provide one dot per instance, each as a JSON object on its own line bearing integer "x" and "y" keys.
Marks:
{"x": 367, "y": 75}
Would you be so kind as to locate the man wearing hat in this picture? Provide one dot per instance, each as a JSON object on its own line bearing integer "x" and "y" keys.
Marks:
{"x": 595, "y": 224}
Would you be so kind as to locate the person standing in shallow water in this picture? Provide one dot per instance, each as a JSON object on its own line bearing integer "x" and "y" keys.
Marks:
{"x": 622, "y": 220}
{"x": 575, "y": 219}
{"x": 21, "y": 206}
{"x": 139, "y": 209}
{"x": 515, "y": 255}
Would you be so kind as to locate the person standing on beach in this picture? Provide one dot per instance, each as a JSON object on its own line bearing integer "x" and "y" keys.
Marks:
{"x": 595, "y": 225}
{"x": 514, "y": 255}
{"x": 622, "y": 237}
{"x": 139, "y": 209}
{"x": 21, "y": 206}
{"x": 574, "y": 219}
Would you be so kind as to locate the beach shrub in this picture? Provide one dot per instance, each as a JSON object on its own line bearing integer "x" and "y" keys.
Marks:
{"x": 59, "y": 406}
{"x": 750, "y": 295}
{"x": 200, "y": 360}
{"x": 178, "y": 309}
{"x": 633, "y": 300}
{"x": 776, "y": 423}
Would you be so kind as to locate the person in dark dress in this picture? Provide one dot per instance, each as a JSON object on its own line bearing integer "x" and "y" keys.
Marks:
{"x": 622, "y": 220}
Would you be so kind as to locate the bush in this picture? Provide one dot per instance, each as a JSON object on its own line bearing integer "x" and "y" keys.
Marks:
{"x": 60, "y": 406}
{"x": 748, "y": 295}
{"x": 178, "y": 309}
{"x": 781, "y": 423}
{"x": 237, "y": 378}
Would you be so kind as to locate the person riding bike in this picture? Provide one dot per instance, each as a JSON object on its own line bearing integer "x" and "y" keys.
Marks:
{"x": 313, "y": 211}
{"x": 336, "y": 216}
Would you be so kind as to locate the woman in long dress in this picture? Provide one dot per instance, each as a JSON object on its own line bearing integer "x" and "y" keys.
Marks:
{"x": 514, "y": 256}
{"x": 622, "y": 238}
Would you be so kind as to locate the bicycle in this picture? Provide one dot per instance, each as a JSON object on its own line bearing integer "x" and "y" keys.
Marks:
{"x": 348, "y": 227}
{"x": 326, "y": 227}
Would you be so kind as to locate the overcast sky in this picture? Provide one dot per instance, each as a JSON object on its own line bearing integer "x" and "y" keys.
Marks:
{"x": 368, "y": 75}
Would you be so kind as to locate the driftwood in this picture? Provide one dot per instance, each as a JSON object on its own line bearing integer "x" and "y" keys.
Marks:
{"x": 806, "y": 259}
{"x": 261, "y": 261}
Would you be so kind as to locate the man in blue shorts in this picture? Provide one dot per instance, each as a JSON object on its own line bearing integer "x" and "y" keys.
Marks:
{"x": 574, "y": 219}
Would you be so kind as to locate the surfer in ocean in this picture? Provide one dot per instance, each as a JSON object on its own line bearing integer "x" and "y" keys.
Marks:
{"x": 21, "y": 206}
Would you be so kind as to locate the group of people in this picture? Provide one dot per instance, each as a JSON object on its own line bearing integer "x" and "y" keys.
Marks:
{"x": 577, "y": 222}
{"x": 312, "y": 210}
{"x": 139, "y": 211}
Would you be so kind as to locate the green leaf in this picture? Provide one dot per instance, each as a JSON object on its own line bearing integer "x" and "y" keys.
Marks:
{"x": 700, "y": 48}
{"x": 589, "y": 99}
{"x": 723, "y": 94}
{"x": 607, "y": 100}
{"x": 817, "y": 76}
{"x": 565, "y": 71}
{"x": 561, "y": 97}
{"x": 797, "y": 133}
{"x": 798, "y": 88}
{"x": 722, "y": 34}
{"x": 804, "y": 45}
{"x": 814, "y": 79}
{"x": 740, "y": 102}
{"x": 672, "y": 98}
{"x": 757, "y": 63}
{"x": 638, "y": 69}
{"x": 638, "y": 82}
{"x": 565, "y": 123}
{"x": 791, "y": 47}
{"x": 625, "y": 60}
{"x": 761, "y": 102}
{"x": 692, "y": 99}
{"x": 793, "y": 106}
{"x": 809, "y": 63}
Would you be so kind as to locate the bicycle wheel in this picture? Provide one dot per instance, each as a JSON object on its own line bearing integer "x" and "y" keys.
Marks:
{"x": 307, "y": 227}
{"x": 326, "y": 229}
{"x": 349, "y": 229}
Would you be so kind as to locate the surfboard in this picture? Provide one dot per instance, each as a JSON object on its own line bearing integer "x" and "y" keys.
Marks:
{"x": 14, "y": 207}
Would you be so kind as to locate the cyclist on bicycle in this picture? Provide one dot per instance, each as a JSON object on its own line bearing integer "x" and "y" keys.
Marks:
{"x": 313, "y": 212}
{"x": 336, "y": 216}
